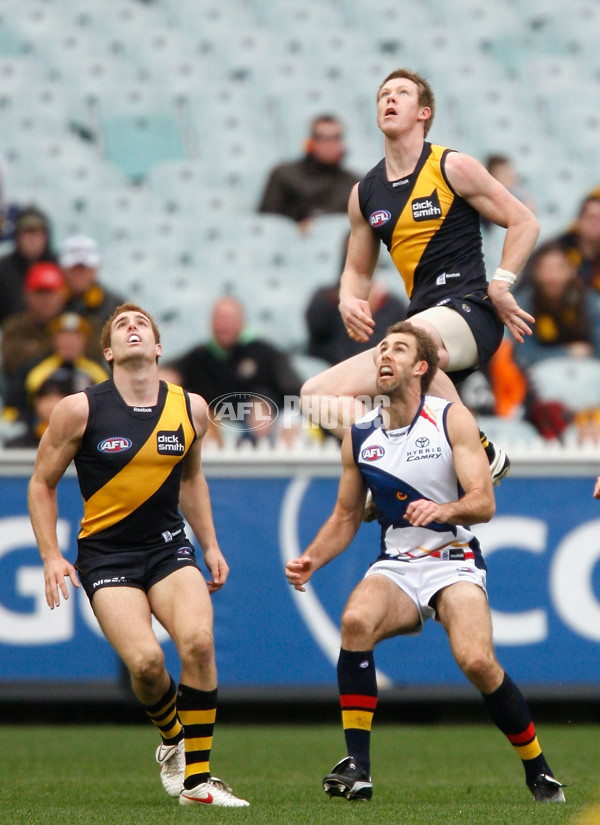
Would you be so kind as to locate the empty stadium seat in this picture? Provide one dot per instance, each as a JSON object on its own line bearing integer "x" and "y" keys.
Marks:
{"x": 135, "y": 142}
{"x": 510, "y": 432}
{"x": 574, "y": 381}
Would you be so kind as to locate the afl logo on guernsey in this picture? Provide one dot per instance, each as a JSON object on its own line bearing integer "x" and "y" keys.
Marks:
{"x": 114, "y": 444}
{"x": 372, "y": 453}
{"x": 379, "y": 217}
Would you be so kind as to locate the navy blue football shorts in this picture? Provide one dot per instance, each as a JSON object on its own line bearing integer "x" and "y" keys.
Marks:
{"x": 139, "y": 567}
{"x": 483, "y": 320}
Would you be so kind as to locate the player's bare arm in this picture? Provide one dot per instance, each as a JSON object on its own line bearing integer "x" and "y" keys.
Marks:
{"x": 355, "y": 285}
{"x": 58, "y": 447}
{"x": 341, "y": 526}
{"x": 472, "y": 468}
{"x": 597, "y": 488}
{"x": 492, "y": 200}
{"x": 194, "y": 499}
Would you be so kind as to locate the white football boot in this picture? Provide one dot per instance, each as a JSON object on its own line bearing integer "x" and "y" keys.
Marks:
{"x": 171, "y": 759}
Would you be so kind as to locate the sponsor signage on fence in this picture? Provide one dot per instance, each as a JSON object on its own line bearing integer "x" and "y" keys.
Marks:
{"x": 542, "y": 550}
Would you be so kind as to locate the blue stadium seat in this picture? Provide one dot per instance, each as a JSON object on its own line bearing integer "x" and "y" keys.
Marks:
{"x": 574, "y": 381}
{"x": 509, "y": 432}
{"x": 135, "y": 142}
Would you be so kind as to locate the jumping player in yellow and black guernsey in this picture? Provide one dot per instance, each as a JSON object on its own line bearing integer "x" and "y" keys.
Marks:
{"x": 136, "y": 443}
{"x": 424, "y": 203}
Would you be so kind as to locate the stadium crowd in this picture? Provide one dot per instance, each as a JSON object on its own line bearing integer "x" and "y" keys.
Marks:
{"x": 40, "y": 285}
{"x": 560, "y": 287}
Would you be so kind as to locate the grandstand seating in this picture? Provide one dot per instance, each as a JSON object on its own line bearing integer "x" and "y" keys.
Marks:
{"x": 573, "y": 381}
{"x": 299, "y": 59}
{"x": 509, "y": 431}
{"x": 135, "y": 142}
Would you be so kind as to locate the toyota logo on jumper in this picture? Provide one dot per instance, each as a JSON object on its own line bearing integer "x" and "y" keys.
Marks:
{"x": 243, "y": 410}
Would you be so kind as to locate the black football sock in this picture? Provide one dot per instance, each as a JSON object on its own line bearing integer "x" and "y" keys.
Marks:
{"x": 512, "y": 716}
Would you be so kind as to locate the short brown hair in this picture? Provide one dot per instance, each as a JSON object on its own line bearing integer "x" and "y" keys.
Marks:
{"x": 324, "y": 118}
{"x": 426, "y": 96}
{"x": 105, "y": 337}
{"x": 426, "y": 349}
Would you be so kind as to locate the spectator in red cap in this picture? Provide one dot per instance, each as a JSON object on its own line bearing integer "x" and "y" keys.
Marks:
{"x": 26, "y": 336}
{"x": 32, "y": 244}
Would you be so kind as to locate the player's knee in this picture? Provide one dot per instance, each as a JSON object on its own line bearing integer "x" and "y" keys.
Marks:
{"x": 479, "y": 666}
{"x": 198, "y": 649}
{"x": 356, "y": 629}
{"x": 147, "y": 666}
{"x": 307, "y": 389}
{"x": 320, "y": 385}
{"x": 311, "y": 390}
{"x": 310, "y": 399}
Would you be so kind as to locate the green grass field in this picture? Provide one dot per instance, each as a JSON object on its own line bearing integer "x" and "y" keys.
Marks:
{"x": 430, "y": 775}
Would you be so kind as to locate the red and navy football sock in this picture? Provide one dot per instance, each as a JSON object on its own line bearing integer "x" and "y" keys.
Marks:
{"x": 357, "y": 682}
{"x": 164, "y": 715}
{"x": 198, "y": 712}
{"x": 511, "y": 714}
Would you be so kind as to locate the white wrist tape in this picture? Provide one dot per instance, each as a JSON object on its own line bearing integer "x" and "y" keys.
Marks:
{"x": 504, "y": 275}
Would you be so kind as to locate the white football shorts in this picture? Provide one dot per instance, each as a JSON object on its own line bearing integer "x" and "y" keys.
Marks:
{"x": 423, "y": 578}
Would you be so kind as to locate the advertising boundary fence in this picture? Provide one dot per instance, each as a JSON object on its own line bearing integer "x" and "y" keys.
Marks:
{"x": 542, "y": 548}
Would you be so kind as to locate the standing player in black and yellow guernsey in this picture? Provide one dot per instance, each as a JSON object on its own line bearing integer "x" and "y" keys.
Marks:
{"x": 424, "y": 202}
{"x": 136, "y": 443}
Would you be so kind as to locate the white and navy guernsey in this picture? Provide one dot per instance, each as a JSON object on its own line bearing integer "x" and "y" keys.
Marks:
{"x": 404, "y": 465}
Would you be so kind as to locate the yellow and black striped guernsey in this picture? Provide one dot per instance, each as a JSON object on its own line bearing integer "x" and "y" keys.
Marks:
{"x": 129, "y": 467}
{"x": 432, "y": 234}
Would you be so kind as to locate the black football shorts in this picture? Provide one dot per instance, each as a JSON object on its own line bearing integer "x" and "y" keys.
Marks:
{"x": 139, "y": 567}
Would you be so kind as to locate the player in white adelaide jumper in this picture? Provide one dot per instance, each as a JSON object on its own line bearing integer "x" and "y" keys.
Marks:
{"x": 422, "y": 459}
